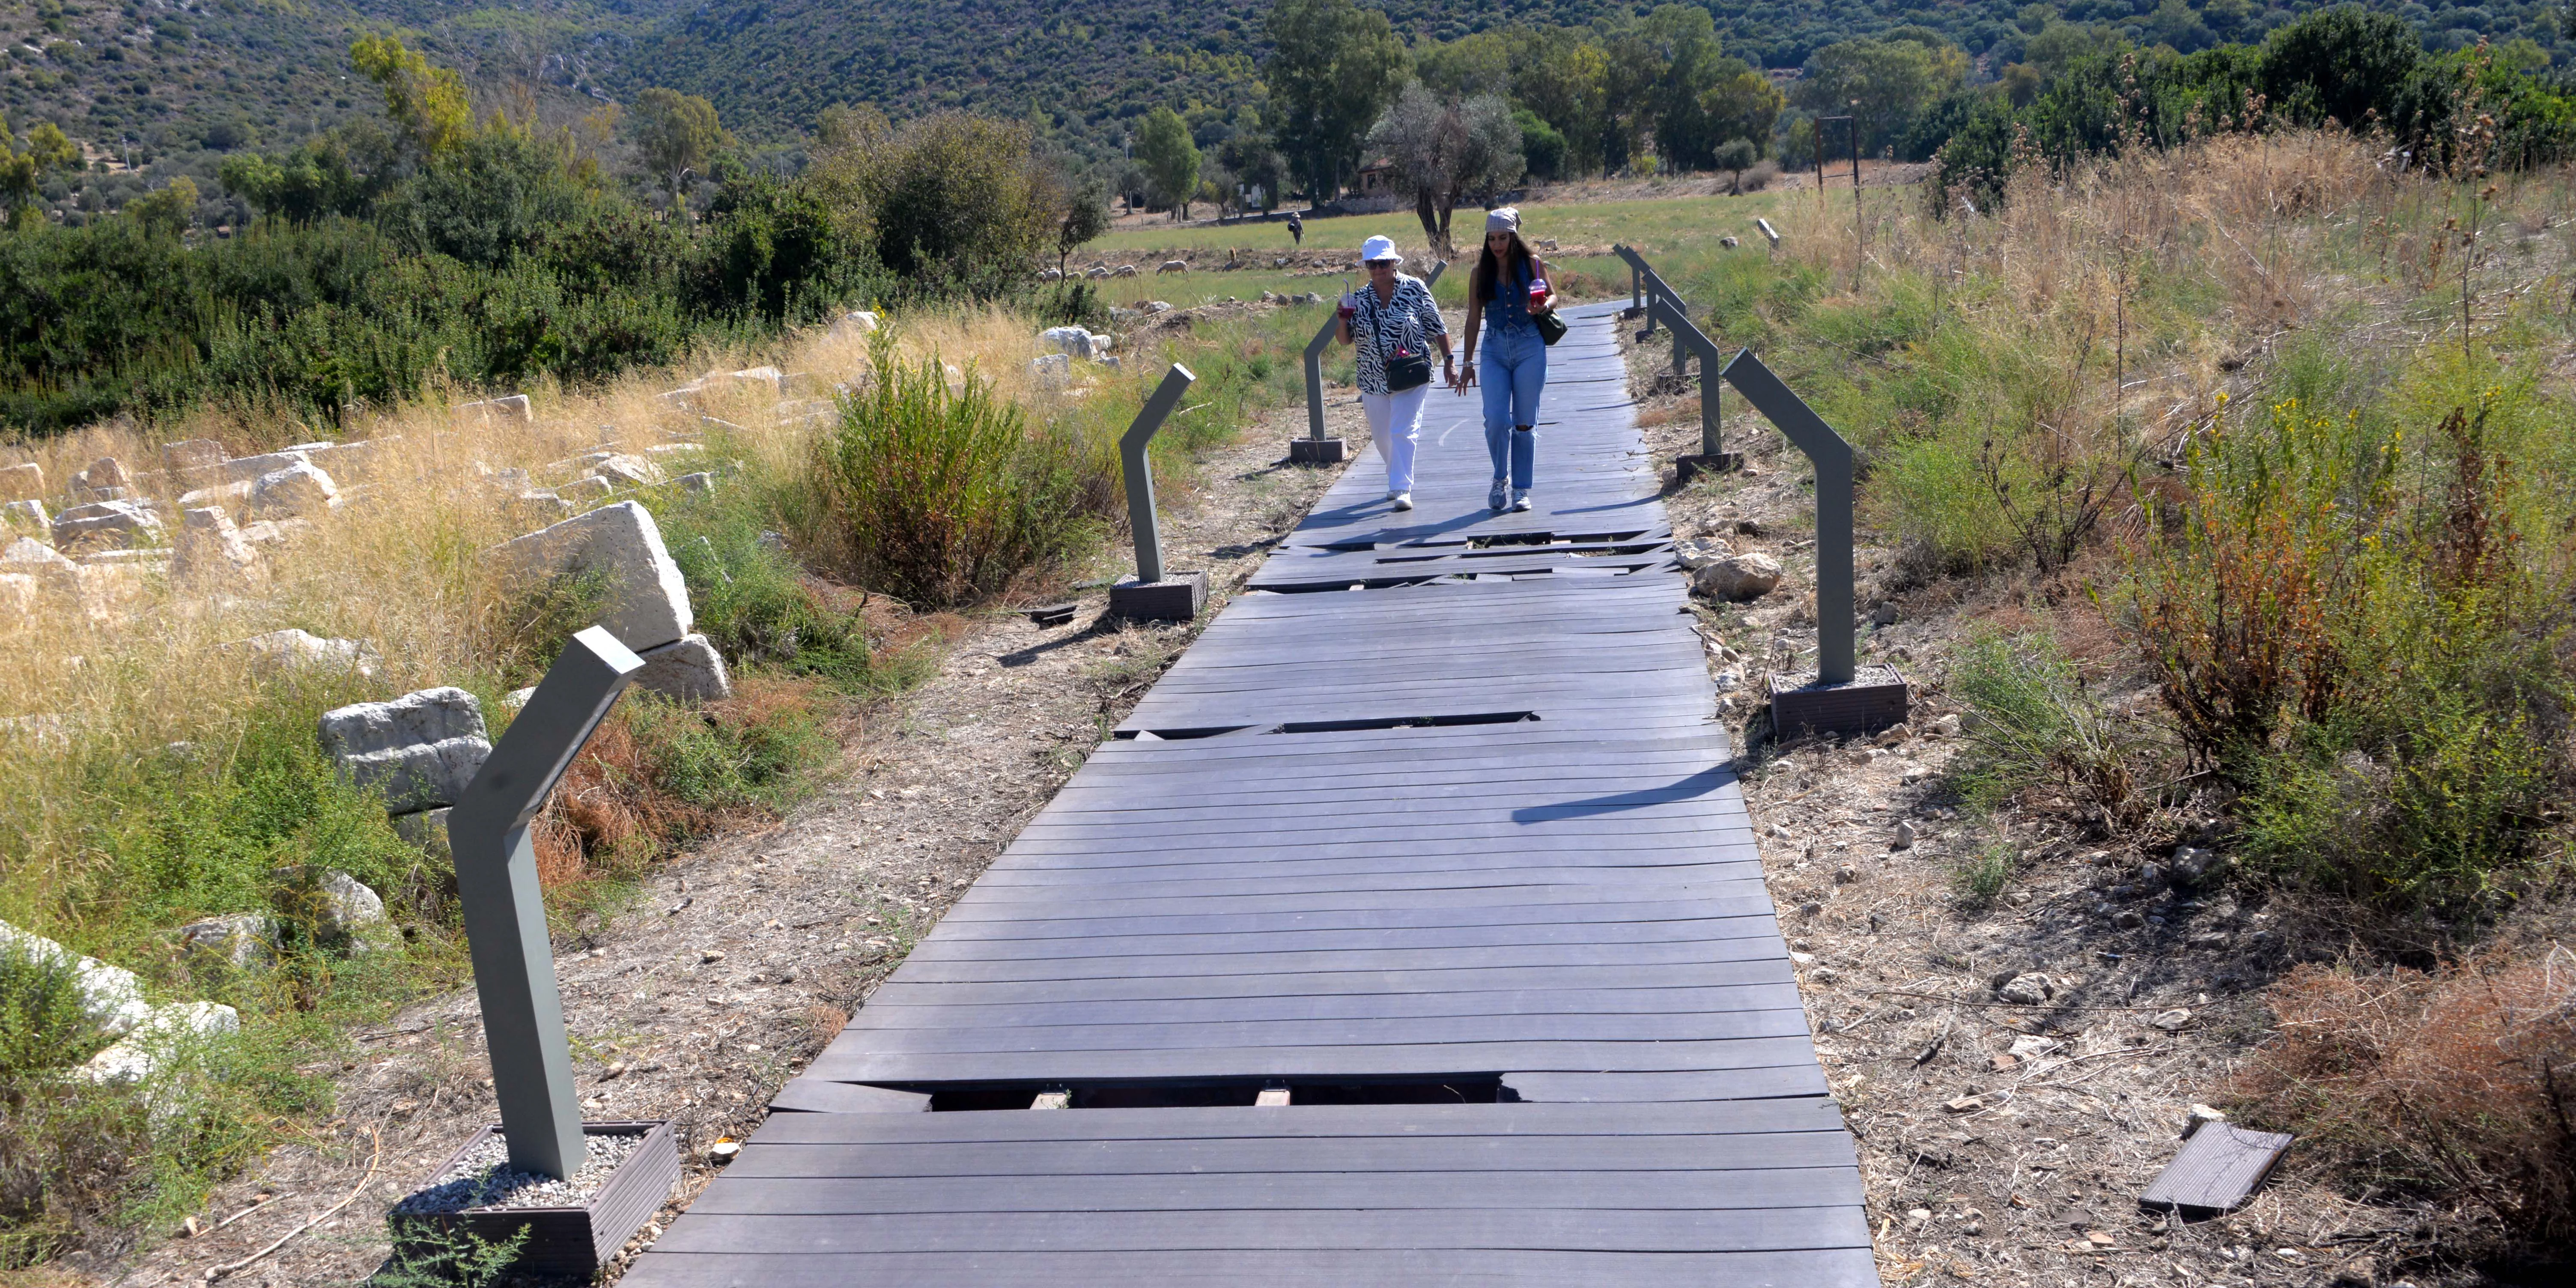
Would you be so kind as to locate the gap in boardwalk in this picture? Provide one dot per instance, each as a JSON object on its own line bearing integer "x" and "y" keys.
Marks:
{"x": 1357, "y": 725}
{"x": 1216, "y": 1093}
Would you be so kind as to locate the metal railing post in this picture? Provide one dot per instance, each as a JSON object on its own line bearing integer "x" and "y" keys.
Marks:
{"x": 1836, "y": 661}
{"x": 1684, "y": 330}
{"x": 1140, "y": 478}
{"x": 505, "y": 911}
{"x": 1315, "y": 375}
{"x": 1315, "y": 360}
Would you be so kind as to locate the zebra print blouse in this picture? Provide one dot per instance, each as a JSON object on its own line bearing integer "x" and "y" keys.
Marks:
{"x": 1408, "y": 321}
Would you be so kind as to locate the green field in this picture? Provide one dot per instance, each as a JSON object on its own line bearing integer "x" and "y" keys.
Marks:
{"x": 1654, "y": 225}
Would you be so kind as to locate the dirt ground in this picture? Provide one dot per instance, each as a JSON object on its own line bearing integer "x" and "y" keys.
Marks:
{"x": 2000, "y": 1143}
{"x": 730, "y": 968}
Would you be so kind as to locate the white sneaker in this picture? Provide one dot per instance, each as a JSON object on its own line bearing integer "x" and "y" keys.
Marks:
{"x": 1520, "y": 498}
{"x": 1403, "y": 500}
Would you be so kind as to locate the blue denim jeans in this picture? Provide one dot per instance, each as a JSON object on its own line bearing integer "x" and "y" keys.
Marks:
{"x": 1513, "y": 370}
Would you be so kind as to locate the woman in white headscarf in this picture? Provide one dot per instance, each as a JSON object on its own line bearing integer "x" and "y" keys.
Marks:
{"x": 1394, "y": 323}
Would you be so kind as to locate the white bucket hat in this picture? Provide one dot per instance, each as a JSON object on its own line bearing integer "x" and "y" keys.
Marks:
{"x": 1379, "y": 248}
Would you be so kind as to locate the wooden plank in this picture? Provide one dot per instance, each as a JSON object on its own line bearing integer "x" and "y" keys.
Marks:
{"x": 1321, "y": 940}
{"x": 822, "y": 1096}
{"x": 1317, "y": 1122}
{"x": 1108, "y": 1192}
{"x": 1773, "y": 1229}
{"x": 2216, "y": 1169}
{"x": 1302, "y": 1268}
{"x": 1394, "y": 1060}
{"x": 1303, "y": 1006}
{"x": 1148, "y": 1032}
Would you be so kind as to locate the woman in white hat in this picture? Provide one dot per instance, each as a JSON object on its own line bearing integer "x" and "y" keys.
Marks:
{"x": 1394, "y": 323}
{"x": 1507, "y": 290}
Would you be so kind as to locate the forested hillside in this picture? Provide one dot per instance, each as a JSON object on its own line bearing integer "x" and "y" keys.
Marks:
{"x": 1093, "y": 66}
{"x": 172, "y": 86}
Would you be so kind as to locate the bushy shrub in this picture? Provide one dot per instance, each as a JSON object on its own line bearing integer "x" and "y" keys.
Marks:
{"x": 2036, "y": 724}
{"x": 2349, "y": 627}
{"x": 659, "y": 773}
{"x": 2459, "y": 1083}
{"x": 43, "y": 1024}
{"x": 941, "y": 493}
{"x": 758, "y": 605}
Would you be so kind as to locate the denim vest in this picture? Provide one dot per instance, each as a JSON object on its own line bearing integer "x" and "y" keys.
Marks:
{"x": 1510, "y": 305}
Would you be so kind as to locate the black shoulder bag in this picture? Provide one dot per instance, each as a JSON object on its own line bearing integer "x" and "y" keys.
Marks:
{"x": 1551, "y": 328}
{"x": 1405, "y": 369}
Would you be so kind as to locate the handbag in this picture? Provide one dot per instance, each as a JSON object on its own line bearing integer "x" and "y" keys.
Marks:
{"x": 1551, "y": 328}
{"x": 1405, "y": 369}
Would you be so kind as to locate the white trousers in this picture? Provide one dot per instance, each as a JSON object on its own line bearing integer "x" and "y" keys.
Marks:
{"x": 1395, "y": 420}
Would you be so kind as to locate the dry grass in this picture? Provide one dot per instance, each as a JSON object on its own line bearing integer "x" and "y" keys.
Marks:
{"x": 2460, "y": 1082}
{"x": 135, "y": 661}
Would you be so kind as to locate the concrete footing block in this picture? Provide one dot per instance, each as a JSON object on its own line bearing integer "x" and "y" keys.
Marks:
{"x": 1875, "y": 698}
{"x": 1316, "y": 451}
{"x": 1178, "y": 597}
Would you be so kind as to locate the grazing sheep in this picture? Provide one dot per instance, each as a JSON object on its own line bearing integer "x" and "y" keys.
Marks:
{"x": 1174, "y": 266}
{"x": 1051, "y": 275}
{"x": 1095, "y": 272}
{"x": 1125, "y": 270}
{"x": 1727, "y": 242}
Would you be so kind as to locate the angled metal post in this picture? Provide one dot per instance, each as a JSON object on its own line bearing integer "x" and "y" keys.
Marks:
{"x": 1645, "y": 286}
{"x": 1140, "y": 478}
{"x": 1315, "y": 360}
{"x": 1315, "y": 375}
{"x": 1836, "y": 662}
{"x": 1686, "y": 331}
{"x": 505, "y": 912}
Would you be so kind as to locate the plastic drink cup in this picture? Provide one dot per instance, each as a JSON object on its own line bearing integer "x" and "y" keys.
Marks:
{"x": 1538, "y": 293}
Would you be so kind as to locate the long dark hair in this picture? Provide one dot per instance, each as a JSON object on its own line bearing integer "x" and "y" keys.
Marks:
{"x": 1480, "y": 283}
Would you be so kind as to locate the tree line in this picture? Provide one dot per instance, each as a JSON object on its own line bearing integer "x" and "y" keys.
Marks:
{"x": 438, "y": 244}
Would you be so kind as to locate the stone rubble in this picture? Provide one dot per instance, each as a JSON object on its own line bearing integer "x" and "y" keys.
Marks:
{"x": 420, "y": 749}
{"x": 114, "y": 524}
{"x": 333, "y": 907}
{"x": 295, "y": 650}
{"x": 300, "y": 490}
{"x": 647, "y": 603}
{"x": 690, "y": 669}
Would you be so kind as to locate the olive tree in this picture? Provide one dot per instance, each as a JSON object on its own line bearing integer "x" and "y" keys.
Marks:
{"x": 1445, "y": 150}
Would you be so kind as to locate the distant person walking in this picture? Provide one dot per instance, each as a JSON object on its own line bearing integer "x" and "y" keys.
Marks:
{"x": 1394, "y": 323}
{"x": 1296, "y": 229}
{"x": 1507, "y": 296}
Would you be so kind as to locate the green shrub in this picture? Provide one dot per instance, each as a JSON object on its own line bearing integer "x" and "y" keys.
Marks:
{"x": 755, "y": 603}
{"x": 42, "y": 1022}
{"x": 711, "y": 762}
{"x": 2036, "y": 724}
{"x": 2353, "y": 630}
{"x": 1978, "y": 878}
{"x": 941, "y": 494}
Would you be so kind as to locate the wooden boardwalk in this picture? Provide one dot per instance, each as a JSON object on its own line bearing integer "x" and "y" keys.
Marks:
{"x": 1441, "y": 841}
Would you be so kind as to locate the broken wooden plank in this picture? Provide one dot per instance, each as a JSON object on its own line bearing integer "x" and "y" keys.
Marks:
{"x": 2219, "y": 1166}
